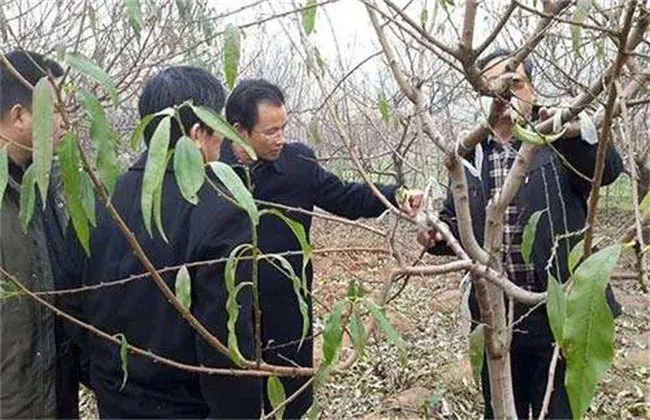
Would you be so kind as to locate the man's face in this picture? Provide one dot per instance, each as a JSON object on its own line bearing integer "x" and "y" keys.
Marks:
{"x": 521, "y": 86}
{"x": 267, "y": 136}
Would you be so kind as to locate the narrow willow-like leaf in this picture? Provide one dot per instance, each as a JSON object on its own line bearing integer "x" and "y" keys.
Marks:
{"x": 582, "y": 11}
{"x": 309, "y": 16}
{"x": 333, "y": 334}
{"x": 88, "y": 198}
{"x": 384, "y": 108}
{"x": 528, "y": 237}
{"x": 43, "y": 134}
{"x": 135, "y": 14}
{"x": 138, "y": 133}
{"x": 234, "y": 184}
{"x": 4, "y": 174}
{"x": 188, "y": 169}
{"x": 70, "y": 160}
{"x": 575, "y": 256}
{"x": 645, "y": 203}
{"x": 220, "y": 125}
{"x": 232, "y": 307}
{"x": 93, "y": 71}
{"x": 532, "y": 137}
{"x": 556, "y": 309}
{"x": 477, "y": 351}
{"x": 124, "y": 352}
{"x": 231, "y": 54}
{"x": 183, "y": 287}
{"x": 154, "y": 170}
{"x": 357, "y": 333}
{"x": 27, "y": 198}
{"x": 589, "y": 328}
{"x": 276, "y": 394}
{"x": 384, "y": 325}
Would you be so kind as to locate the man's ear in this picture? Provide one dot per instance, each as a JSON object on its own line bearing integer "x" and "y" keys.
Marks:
{"x": 196, "y": 133}
{"x": 240, "y": 130}
{"x": 18, "y": 116}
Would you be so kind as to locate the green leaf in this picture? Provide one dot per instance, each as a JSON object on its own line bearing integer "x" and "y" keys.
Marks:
{"x": 154, "y": 170}
{"x": 88, "y": 198}
{"x": 104, "y": 139}
{"x": 575, "y": 256}
{"x": 287, "y": 268}
{"x": 4, "y": 173}
{"x": 138, "y": 133}
{"x": 231, "y": 54}
{"x": 446, "y": 3}
{"x": 556, "y": 309}
{"x": 27, "y": 198}
{"x": 135, "y": 14}
{"x": 183, "y": 288}
{"x": 528, "y": 237}
{"x": 43, "y": 134}
{"x": 232, "y": 307}
{"x": 157, "y": 202}
{"x": 233, "y": 183}
{"x": 477, "y": 351}
{"x": 309, "y": 16}
{"x": 384, "y": 108}
{"x": 314, "y": 132}
{"x": 93, "y": 71}
{"x": 393, "y": 336}
{"x": 124, "y": 347}
{"x": 424, "y": 17}
{"x": 219, "y": 124}
{"x": 276, "y": 395}
{"x": 589, "y": 328}
{"x": 357, "y": 333}
{"x": 645, "y": 203}
{"x": 333, "y": 334}
{"x": 71, "y": 172}
{"x": 582, "y": 11}
{"x": 188, "y": 169}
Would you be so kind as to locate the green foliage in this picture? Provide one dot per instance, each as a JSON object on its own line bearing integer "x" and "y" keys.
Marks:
{"x": 183, "y": 288}
{"x": 88, "y": 198}
{"x": 157, "y": 202}
{"x": 138, "y": 133}
{"x": 219, "y": 124}
{"x": 27, "y": 198}
{"x": 233, "y": 183}
{"x": 532, "y": 137}
{"x": 4, "y": 173}
{"x": 333, "y": 334}
{"x": 314, "y": 132}
{"x": 71, "y": 172}
{"x": 477, "y": 351}
{"x": 384, "y": 108}
{"x": 556, "y": 309}
{"x": 135, "y": 15}
{"x": 104, "y": 139}
{"x": 124, "y": 351}
{"x": 582, "y": 11}
{"x": 232, "y": 307}
{"x": 309, "y": 16}
{"x": 154, "y": 170}
{"x": 276, "y": 395}
{"x": 93, "y": 71}
{"x": 589, "y": 328}
{"x": 188, "y": 169}
{"x": 231, "y": 54}
{"x": 575, "y": 256}
{"x": 528, "y": 237}
{"x": 357, "y": 333}
{"x": 43, "y": 134}
{"x": 384, "y": 325}
{"x": 645, "y": 203}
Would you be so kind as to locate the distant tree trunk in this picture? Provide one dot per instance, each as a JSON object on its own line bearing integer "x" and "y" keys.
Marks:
{"x": 643, "y": 171}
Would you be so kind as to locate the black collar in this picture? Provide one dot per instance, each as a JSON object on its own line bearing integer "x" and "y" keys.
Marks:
{"x": 228, "y": 156}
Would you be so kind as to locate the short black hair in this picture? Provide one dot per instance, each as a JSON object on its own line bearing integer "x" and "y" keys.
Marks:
{"x": 503, "y": 53}
{"x": 247, "y": 95}
{"x": 30, "y": 65}
{"x": 176, "y": 85}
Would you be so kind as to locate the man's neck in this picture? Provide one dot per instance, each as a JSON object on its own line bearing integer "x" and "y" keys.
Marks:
{"x": 17, "y": 155}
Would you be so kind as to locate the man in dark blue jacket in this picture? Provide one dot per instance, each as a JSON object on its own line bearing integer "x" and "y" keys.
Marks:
{"x": 138, "y": 309}
{"x": 289, "y": 174}
{"x": 549, "y": 185}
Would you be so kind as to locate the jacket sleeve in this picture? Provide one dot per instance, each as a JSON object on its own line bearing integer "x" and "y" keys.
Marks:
{"x": 447, "y": 215}
{"x": 346, "y": 199}
{"x": 582, "y": 157}
{"x": 227, "y": 396}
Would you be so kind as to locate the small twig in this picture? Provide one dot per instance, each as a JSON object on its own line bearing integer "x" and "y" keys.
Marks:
{"x": 549, "y": 383}
{"x": 292, "y": 397}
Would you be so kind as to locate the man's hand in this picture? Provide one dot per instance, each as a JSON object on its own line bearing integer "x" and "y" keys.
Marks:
{"x": 429, "y": 238}
{"x": 409, "y": 201}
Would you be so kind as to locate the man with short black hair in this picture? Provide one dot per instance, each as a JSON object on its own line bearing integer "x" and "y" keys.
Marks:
{"x": 31, "y": 386}
{"x": 551, "y": 186}
{"x": 289, "y": 174}
{"x": 138, "y": 309}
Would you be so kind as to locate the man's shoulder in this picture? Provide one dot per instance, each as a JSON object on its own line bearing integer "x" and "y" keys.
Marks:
{"x": 299, "y": 150}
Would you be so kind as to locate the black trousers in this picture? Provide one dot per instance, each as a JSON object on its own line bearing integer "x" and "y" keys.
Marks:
{"x": 530, "y": 360}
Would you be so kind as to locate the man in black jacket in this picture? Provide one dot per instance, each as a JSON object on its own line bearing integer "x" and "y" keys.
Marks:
{"x": 289, "y": 174}
{"x": 549, "y": 185}
{"x": 138, "y": 309}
